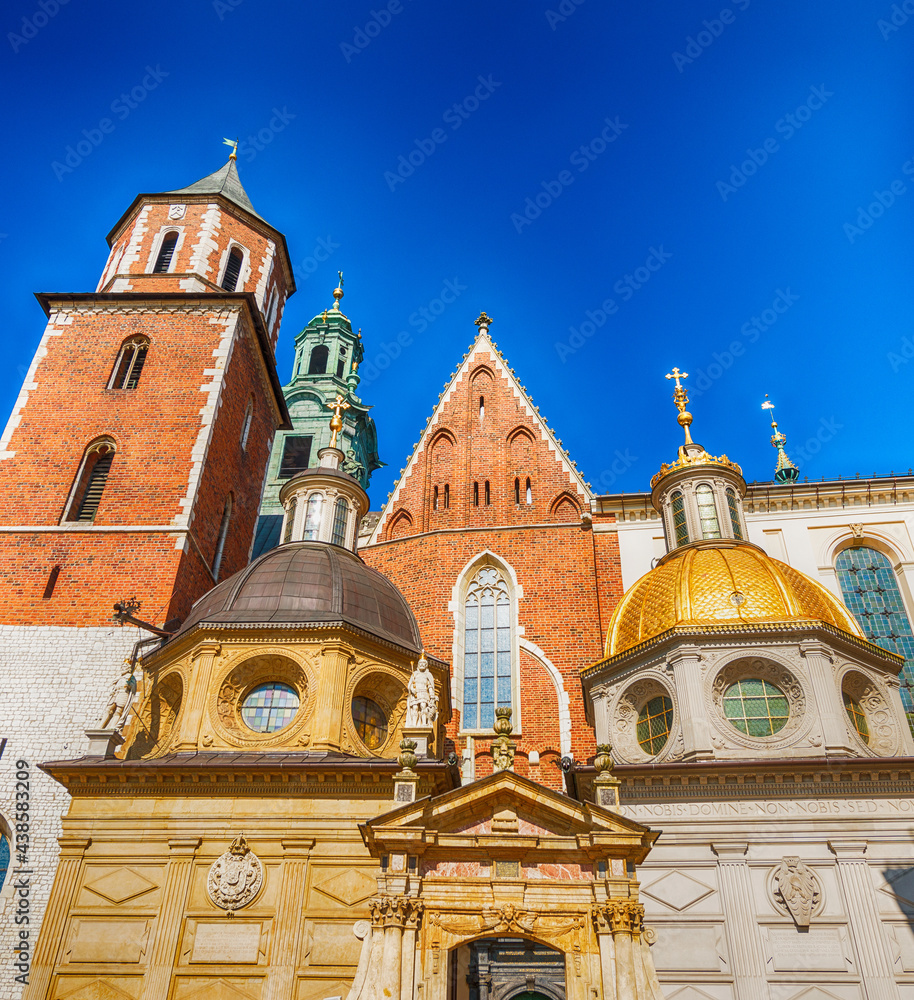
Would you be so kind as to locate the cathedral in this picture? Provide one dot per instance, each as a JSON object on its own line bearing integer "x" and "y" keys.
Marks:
{"x": 506, "y": 738}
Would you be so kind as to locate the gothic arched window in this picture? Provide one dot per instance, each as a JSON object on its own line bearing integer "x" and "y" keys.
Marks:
{"x": 488, "y": 636}
{"x": 129, "y": 364}
{"x": 707, "y": 512}
{"x": 90, "y": 481}
{"x": 166, "y": 252}
{"x": 232, "y": 269}
{"x": 317, "y": 365}
{"x": 871, "y": 592}
{"x": 679, "y": 519}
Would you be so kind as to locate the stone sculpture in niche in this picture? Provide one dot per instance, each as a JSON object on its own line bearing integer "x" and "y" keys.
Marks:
{"x": 796, "y": 889}
{"x": 421, "y": 701}
{"x": 119, "y": 703}
{"x": 235, "y": 877}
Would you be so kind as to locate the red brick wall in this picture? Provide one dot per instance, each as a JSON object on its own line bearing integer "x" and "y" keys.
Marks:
{"x": 155, "y": 426}
{"x": 557, "y": 560}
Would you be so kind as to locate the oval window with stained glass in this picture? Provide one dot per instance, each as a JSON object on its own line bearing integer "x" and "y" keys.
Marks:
{"x": 756, "y": 707}
{"x": 856, "y": 716}
{"x": 655, "y": 720}
{"x": 269, "y": 707}
{"x": 370, "y": 722}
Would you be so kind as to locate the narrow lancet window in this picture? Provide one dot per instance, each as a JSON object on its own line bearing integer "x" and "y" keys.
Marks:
{"x": 166, "y": 252}
{"x": 232, "y": 270}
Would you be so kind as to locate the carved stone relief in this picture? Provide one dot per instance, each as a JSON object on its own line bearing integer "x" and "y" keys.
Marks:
{"x": 882, "y": 737}
{"x": 235, "y": 877}
{"x": 623, "y": 730}
{"x": 796, "y": 889}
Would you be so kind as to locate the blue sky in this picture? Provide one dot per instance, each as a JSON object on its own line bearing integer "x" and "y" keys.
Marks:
{"x": 623, "y": 187}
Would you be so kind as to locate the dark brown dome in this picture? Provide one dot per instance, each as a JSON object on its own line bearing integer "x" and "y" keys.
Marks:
{"x": 309, "y": 582}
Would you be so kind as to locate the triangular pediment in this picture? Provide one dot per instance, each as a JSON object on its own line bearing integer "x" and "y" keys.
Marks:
{"x": 508, "y": 807}
{"x": 405, "y": 502}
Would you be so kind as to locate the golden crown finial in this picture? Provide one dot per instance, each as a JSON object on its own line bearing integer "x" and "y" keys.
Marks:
{"x": 336, "y": 421}
{"x": 681, "y": 399}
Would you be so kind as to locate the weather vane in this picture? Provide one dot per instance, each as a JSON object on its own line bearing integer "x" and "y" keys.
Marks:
{"x": 234, "y": 144}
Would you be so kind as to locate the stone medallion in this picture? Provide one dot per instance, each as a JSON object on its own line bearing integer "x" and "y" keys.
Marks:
{"x": 235, "y": 878}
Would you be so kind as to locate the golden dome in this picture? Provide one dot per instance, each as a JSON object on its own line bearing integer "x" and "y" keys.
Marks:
{"x": 704, "y": 585}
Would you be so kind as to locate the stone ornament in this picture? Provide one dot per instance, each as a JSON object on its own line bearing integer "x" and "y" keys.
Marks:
{"x": 797, "y": 890}
{"x": 503, "y": 747}
{"x": 421, "y": 701}
{"x": 624, "y": 716}
{"x": 176, "y": 212}
{"x": 235, "y": 877}
{"x": 121, "y": 699}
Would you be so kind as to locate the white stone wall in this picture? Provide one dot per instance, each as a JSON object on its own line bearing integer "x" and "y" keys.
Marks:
{"x": 54, "y": 684}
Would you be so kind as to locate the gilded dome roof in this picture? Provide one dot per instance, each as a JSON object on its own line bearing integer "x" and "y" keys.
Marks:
{"x": 309, "y": 582}
{"x": 712, "y": 584}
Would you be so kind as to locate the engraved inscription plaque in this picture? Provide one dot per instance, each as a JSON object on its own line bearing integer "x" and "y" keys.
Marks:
{"x": 816, "y": 950}
{"x": 236, "y": 942}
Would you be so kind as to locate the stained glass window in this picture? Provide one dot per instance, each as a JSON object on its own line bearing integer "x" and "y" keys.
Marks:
{"x": 340, "y": 516}
{"x": 313, "y": 517}
{"x": 734, "y": 514}
{"x": 269, "y": 707}
{"x": 707, "y": 512}
{"x": 871, "y": 592}
{"x": 679, "y": 520}
{"x": 756, "y": 707}
{"x": 857, "y": 717}
{"x": 654, "y": 723}
{"x": 487, "y": 650}
{"x": 370, "y": 722}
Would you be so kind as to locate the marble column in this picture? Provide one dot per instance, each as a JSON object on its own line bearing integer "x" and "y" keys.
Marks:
{"x": 408, "y": 949}
{"x": 281, "y": 977}
{"x": 874, "y": 963}
{"x": 747, "y": 958}
{"x": 171, "y": 916}
{"x": 693, "y": 712}
{"x": 828, "y": 697}
{"x": 619, "y": 964}
{"x": 53, "y": 927}
{"x": 391, "y": 962}
{"x": 603, "y": 929}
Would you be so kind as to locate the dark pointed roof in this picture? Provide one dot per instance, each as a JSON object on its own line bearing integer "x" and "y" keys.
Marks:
{"x": 224, "y": 181}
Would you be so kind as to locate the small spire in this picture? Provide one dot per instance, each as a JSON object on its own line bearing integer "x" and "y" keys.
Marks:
{"x": 681, "y": 399}
{"x": 785, "y": 471}
{"x": 234, "y": 144}
{"x": 336, "y": 421}
{"x": 338, "y": 292}
{"x": 484, "y": 322}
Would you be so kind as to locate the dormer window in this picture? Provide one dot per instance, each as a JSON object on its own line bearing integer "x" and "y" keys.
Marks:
{"x": 166, "y": 252}
{"x": 232, "y": 269}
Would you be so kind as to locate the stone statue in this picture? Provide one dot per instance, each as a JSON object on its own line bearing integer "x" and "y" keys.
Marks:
{"x": 119, "y": 703}
{"x": 797, "y": 889}
{"x": 421, "y": 699}
{"x": 351, "y": 465}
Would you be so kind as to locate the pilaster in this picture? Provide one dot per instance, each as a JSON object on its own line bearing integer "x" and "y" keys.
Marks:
{"x": 747, "y": 960}
{"x": 828, "y": 697}
{"x": 201, "y": 669}
{"x": 327, "y": 732}
{"x": 168, "y": 930}
{"x": 693, "y": 713}
{"x": 281, "y": 978}
{"x": 874, "y": 963}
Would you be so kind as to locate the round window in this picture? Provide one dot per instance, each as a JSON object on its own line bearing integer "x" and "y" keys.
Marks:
{"x": 756, "y": 707}
{"x": 370, "y": 722}
{"x": 654, "y": 723}
{"x": 857, "y": 717}
{"x": 269, "y": 707}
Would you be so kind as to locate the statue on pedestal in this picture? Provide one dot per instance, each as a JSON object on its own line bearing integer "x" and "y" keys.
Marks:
{"x": 421, "y": 700}
{"x": 121, "y": 699}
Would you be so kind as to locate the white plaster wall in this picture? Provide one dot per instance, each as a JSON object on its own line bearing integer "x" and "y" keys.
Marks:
{"x": 55, "y": 683}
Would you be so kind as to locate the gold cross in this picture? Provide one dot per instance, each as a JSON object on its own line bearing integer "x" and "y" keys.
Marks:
{"x": 677, "y": 374}
{"x": 336, "y": 421}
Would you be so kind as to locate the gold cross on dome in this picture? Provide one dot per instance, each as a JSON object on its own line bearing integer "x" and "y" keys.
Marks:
{"x": 677, "y": 374}
{"x": 336, "y": 421}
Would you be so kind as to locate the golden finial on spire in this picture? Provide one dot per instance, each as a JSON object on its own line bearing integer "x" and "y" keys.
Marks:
{"x": 234, "y": 144}
{"x": 681, "y": 399}
{"x": 338, "y": 292}
{"x": 484, "y": 322}
{"x": 336, "y": 421}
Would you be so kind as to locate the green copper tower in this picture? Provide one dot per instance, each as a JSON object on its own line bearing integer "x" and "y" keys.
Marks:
{"x": 327, "y": 357}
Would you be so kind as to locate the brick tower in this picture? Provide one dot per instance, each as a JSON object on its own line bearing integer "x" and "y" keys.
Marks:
{"x": 487, "y": 536}
{"x": 132, "y": 464}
